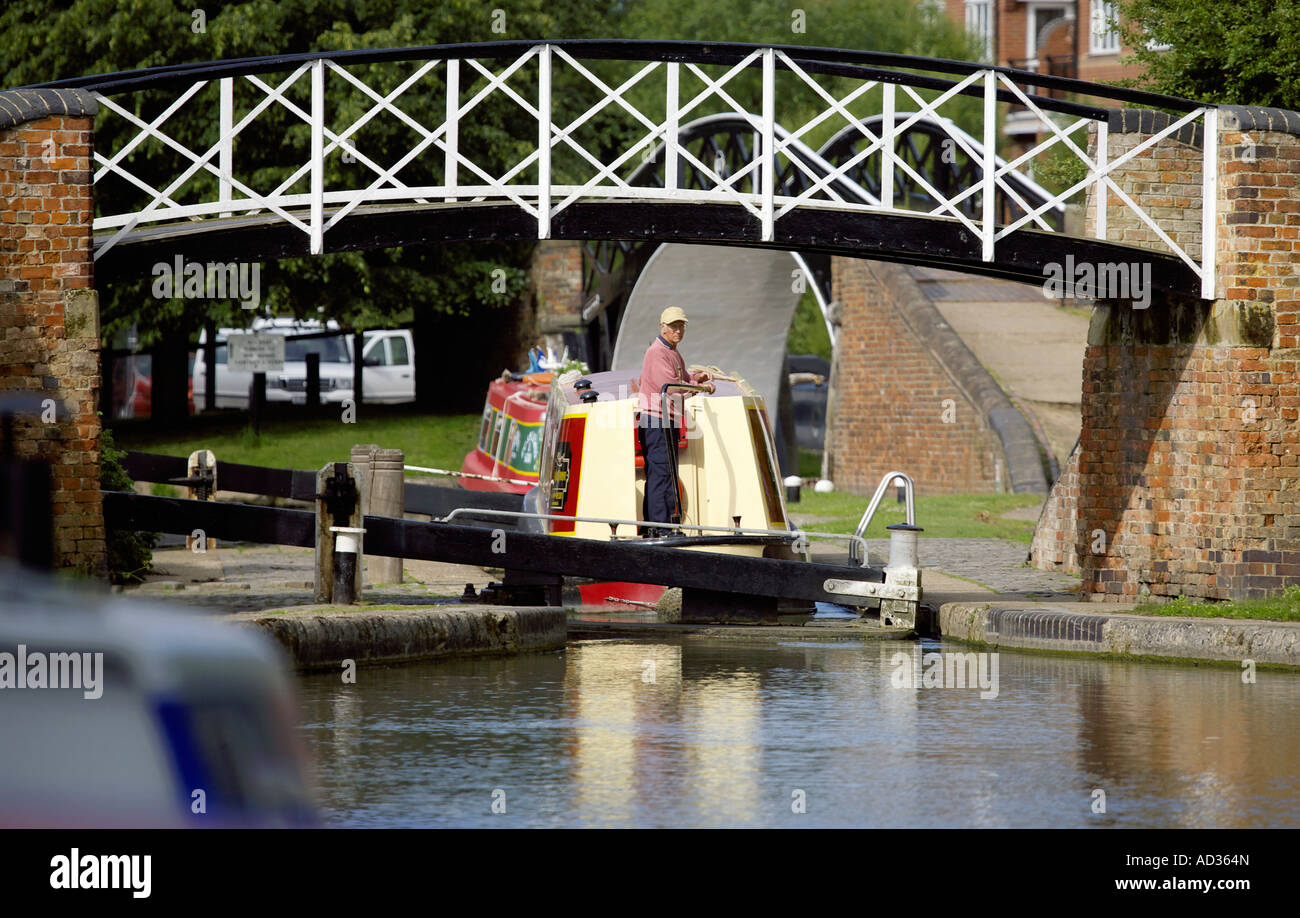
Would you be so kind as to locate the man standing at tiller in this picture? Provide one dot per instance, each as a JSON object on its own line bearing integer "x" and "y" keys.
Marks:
{"x": 657, "y": 425}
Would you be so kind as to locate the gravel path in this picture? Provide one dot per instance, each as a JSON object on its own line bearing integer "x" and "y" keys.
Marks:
{"x": 253, "y": 578}
{"x": 996, "y": 563}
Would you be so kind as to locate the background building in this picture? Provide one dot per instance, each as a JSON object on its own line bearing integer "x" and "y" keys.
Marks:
{"x": 1068, "y": 38}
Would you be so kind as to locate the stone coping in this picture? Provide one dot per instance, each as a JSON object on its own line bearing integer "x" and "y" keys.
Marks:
{"x": 322, "y": 639}
{"x": 1067, "y": 627}
{"x": 18, "y": 106}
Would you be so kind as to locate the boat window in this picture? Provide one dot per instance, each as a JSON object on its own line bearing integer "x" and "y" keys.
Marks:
{"x": 496, "y": 432}
{"x": 506, "y": 435}
{"x": 485, "y": 428}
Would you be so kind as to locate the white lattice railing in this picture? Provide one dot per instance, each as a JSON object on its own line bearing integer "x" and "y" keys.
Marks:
{"x": 680, "y": 92}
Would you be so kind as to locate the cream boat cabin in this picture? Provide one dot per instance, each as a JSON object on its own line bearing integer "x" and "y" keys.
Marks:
{"x": 591, "y": 465}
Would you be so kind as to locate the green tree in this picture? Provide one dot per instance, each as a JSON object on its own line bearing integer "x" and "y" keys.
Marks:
{"x": 1246, "y": 52}
{"x": 46, "y": 41}
{"x": 84, "y": 37}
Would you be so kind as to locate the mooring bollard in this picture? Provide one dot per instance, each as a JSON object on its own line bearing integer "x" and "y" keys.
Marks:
{"x": 902, "y": 571}
{"x": 201, "y": 469}
{"x": 380, "y": 480}
{"x": 338, "y": 506}
{"x": 385, "y": 498}
{"x": 347, "y": 552}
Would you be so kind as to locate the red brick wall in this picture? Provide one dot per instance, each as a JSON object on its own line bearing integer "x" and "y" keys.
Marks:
{"x": 888, "y": 411}
{"x": 557, "y": 280}
{"x": 1055, "y": 545}
{"x": 1190, "y": 458}
{"x": 49, "y": 328}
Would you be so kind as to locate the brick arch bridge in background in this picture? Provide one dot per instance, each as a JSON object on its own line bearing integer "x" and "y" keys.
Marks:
{"x": 1187, "y": 463}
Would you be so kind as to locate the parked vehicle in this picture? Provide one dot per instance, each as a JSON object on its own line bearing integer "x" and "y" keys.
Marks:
{"x": 388, "y": 371}
{"x": 132, "y": 382}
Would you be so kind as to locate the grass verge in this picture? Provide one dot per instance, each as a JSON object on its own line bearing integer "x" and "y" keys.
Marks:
{"x": 1283, "y": 608}
{"x": 438, "y": 440}
{"x": 953, "y": 516}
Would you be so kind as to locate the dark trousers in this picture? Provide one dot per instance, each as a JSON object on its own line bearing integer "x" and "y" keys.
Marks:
{"x": 660, "y": 465}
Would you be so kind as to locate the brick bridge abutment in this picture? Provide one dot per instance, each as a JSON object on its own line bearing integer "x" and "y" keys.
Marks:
{"x": 1185, "y": 478}
{"x": 49, "y": 312}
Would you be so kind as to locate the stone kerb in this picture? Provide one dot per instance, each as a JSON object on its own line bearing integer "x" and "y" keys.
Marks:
{"x": 49, "y": 314}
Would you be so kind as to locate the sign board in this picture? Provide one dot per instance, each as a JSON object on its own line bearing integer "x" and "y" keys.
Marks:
{"x": 253, "y": 353}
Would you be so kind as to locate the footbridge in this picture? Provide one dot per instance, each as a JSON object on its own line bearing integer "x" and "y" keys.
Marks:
{"x": 1188, "y": 460}
{"x": 578, "y": 116}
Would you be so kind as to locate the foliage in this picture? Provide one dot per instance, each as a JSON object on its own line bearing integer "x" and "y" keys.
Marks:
{"x": 130, "y": 554}
{"x": 570, "y": 365}
{"x": 1246, "y": 52}
{"x": 1058, "y": 169}
{"x": 808, "y": 333}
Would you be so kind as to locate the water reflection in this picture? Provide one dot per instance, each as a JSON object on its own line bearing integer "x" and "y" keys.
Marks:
{"x": 695, "y": 733}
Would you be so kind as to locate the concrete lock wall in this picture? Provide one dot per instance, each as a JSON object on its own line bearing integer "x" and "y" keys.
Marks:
{"x": 49, "y": 312}
{"x": 1189, "y": 462}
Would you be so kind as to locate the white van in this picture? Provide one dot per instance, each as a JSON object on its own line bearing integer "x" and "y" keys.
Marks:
{"x": 389, "y": 366}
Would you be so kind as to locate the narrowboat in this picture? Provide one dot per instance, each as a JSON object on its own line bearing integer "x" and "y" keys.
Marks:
{"x": 591, "y": 482}
{"x": 591, "y": 471}
{"x": 509, "y": 444}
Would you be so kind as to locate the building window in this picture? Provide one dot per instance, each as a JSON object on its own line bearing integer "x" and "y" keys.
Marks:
{"x": 1105, "y": 27}
{"x": 980, "y": 24}
{"x": 1040, "y": 17}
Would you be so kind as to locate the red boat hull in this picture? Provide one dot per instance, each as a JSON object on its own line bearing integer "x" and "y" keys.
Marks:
{"x": 599, "y": 594}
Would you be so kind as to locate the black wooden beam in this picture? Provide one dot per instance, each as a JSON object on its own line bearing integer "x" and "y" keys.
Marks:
{"x": 124, "y": 510}
{"x": 480, "y": 545}
{"x": 300, "y": 484}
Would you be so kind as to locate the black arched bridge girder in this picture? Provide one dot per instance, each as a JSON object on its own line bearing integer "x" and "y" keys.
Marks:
{"x": 1026, "y": 256}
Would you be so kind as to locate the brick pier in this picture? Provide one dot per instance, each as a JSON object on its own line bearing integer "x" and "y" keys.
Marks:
{"x": 1187, "y": 473}
{"x": 49, "y": 312}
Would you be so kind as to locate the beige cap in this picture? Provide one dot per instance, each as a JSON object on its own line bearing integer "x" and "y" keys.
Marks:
{"x": 672, "y": 314}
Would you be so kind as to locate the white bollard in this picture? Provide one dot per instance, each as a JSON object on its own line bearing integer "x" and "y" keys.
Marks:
{"x": 347, "y": 547}
{"x": 902, "y": 571}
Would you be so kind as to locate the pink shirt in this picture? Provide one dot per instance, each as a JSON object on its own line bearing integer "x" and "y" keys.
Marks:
{"x": 662, "y": 364}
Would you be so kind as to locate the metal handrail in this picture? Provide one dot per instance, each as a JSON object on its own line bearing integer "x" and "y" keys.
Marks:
{"x": 792, "y": 535}
{"x": 834, "y": 61}
{"x": 909, "y": 488}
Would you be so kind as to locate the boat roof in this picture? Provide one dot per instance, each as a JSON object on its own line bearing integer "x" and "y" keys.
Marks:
{"x": 615, "y": 385}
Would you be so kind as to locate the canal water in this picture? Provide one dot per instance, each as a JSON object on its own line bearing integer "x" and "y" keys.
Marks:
{"x": 693, "y": 732}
